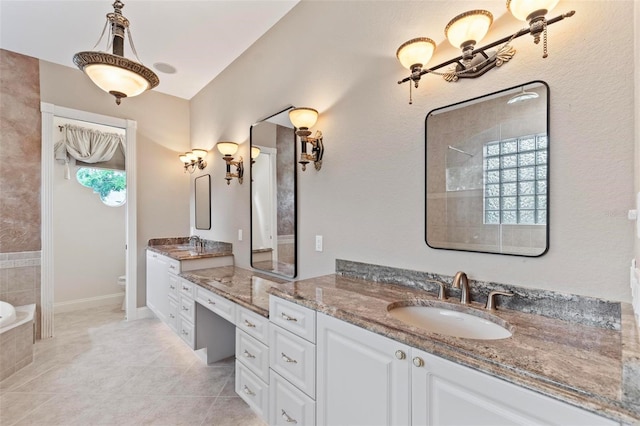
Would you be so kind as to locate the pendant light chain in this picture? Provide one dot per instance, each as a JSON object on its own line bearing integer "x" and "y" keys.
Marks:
{"x": 133, "y": 48}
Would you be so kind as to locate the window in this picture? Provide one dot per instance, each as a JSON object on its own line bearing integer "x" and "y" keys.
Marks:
{"x": 515, "y": 181}
{"x": 110, "y": 185}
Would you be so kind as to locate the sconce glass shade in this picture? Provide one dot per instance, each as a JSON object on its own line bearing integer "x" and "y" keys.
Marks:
{"x": 184, "y": 158}
{"x": 525, "y": 10}
{"x": 227, "y": 148}
{"x": 417, "y": 51}
{"x": 303, "y": 118}
{"x": 200, "y": 153}
{"x": 255, "y": 152}
{"x": 468, "y": 28}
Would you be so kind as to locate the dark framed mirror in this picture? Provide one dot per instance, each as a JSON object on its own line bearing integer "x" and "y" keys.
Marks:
{"x": 487, "y": 173}
{"x": 203, "y": 202}
{"x": 273, "y": 195}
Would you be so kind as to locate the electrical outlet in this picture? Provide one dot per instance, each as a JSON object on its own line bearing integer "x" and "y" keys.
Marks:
{"x": 239, "y": 234}
{"x": 318, "y": 242}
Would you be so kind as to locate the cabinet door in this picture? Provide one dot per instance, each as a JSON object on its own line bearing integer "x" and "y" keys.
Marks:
{"x": 157, "y": 285}
{"x": 363, "y": 378}
{"x": 445, "y": 393}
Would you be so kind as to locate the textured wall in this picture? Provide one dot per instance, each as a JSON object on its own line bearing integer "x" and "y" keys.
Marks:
{"x": 368, "y": 199}
{"x": 19, "y": 153}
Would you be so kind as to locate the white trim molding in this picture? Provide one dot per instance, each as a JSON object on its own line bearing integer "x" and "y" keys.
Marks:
{"x": 89, "y": 302}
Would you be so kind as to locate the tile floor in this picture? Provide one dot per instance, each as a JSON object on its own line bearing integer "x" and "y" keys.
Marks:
{"x": 102, "y": 370}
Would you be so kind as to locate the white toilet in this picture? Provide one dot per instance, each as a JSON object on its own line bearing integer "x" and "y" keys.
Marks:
{"x": 122, "y": 282}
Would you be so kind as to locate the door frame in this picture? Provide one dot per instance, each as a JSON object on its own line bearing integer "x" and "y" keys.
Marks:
{"x": 49, "y": 111}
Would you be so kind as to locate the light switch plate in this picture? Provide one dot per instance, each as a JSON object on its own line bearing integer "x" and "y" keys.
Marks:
{"x": 318, "y": 242}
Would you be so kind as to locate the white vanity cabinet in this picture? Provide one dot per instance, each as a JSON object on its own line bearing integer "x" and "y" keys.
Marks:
{"x": 292, "y": 363}
{"x": 363, "y": 378}
{"x": 368, "y": 379}
{"x": 157, "y": 284}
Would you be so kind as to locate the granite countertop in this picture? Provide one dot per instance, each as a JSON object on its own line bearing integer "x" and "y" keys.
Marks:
{"x": 244, "y": 287}
{"x": 594, "y": 368}
{"x": 180, "y": 248}
{"x": 597, "y": 369}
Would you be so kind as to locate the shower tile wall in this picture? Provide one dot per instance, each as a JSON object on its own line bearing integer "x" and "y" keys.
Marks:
{"x": 20, "y": 147}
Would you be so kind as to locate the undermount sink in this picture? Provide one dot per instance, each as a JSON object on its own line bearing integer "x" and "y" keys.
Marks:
{"x": 447, "y": 319}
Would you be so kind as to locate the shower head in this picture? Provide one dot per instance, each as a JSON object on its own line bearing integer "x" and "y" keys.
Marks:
{"x": 522, "y": 96}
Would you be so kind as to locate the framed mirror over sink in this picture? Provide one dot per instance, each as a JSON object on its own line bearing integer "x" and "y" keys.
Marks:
{"x": 487, "y": 173}
{"x": 273, "y": 195}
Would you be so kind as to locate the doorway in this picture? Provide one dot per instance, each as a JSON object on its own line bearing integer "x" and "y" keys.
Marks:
{"x": 49, "y": 113}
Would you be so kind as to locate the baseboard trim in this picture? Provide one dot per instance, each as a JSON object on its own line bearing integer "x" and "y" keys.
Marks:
{"x": 144, "y": 312}
{"x": 89, "y": 302}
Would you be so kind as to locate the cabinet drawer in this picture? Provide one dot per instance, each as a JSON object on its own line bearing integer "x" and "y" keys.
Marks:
{"x": 186, "y": 331}
{"x": 253, "y": 354}
{"x": 253, "y": 324}
{"x": 172, "y": 315}
{"x": 293, "y": 358}
{"x": 252, "y": 390}
{"x": 295, "y": 318}
{"x": 174, "y": 265}
{"x": 173, "y": 284}
{"x": 186, "y": 308}
{"x": 185, "y": 288}
{"x": 288, "y": 405}
{"x": 218, "y": 304}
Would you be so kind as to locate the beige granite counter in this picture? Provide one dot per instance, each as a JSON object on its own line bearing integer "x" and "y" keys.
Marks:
{"x": 180, "y": 248}
{"x": 595, "y": 368}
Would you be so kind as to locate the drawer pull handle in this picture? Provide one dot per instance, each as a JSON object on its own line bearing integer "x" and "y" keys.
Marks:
{"x": 172, "y": 287}
{"x": 248, "y": 391}
{"x": 185, "y": 333}
{"x": 287, "y": 359}
{"x": 184, "y": 308}
{"x": 211, "y": 302}
{"x": 288, "y": 418}
{"x": 172, "y": 316}
{"x": 249, "y": 324}
{"x": 172, "y": 267}
{"x": 185, "y": 288}
{"x": 248, "y": 354}
{"x": 288, "y": 318}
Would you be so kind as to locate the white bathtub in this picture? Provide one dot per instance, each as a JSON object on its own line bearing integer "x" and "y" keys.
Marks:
{"x": 14, "y": 317}
{"x": 7, "y": 314}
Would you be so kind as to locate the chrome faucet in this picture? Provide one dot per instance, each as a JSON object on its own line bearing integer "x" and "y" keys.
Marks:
{"x": 461, "y": 281}
{"x": 198, "y": 241}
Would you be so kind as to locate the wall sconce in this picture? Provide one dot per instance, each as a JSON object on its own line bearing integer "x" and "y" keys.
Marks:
{"x": 227, "y": 149}
{"x": 193, "y": 160}
{"x": 255, "y": 152}
{"x": 303, "y": 119}
{"x": 465, "y": 31}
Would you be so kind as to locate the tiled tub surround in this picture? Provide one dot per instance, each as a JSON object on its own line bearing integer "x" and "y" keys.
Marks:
{"x": 180, "y": 248}
{"x": 16, "y": 341}
{"x": 595, "y": 368}
{"x": 20, "y": 280}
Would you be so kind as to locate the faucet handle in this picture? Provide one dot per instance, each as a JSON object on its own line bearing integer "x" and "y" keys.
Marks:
{"x": 491, "y": 300}
{"x": 442, "y": 293}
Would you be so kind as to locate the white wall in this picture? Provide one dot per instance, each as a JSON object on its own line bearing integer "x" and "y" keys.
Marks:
{"x": 162, "y": 134}
{"x": 368, "y": 199}
{"x": 88, "y": 237}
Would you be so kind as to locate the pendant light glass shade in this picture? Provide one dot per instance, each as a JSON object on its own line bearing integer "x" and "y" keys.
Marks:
{"x": 416, "y": 52}
{"x": 303, "y": 118}
{"x": 468, "y": 28}
{"x": 113, "y": 73}
{"x": 525, "y": 10}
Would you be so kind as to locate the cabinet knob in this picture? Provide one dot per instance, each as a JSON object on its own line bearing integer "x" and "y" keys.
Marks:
{"x": 400, "y": 354}
{"x": 288, "y": 318}
{"x": 248, "y": 391}
{"x": 288, "y": 418}
{"x": 249, "y": 324}
{"x": 418, "y": 362}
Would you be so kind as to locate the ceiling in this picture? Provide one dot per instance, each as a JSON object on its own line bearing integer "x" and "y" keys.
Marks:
{"x": 197, "y": 38}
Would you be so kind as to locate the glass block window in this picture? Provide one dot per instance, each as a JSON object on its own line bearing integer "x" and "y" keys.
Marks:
{"x": 515, "y": 181}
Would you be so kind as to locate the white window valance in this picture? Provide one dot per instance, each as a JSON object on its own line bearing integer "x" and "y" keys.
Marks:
{"x": 87, "y": 145}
